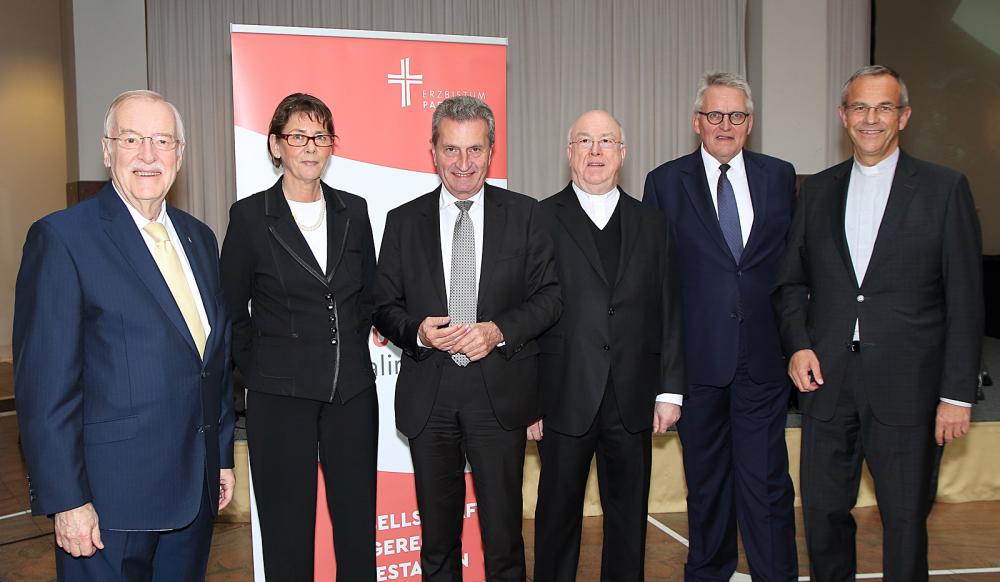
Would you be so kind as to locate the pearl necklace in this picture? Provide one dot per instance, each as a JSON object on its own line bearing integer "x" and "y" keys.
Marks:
{"x": 319, "y": 221}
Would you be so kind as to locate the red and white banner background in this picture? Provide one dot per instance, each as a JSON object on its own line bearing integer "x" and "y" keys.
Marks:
{"x": 382, "y": 88}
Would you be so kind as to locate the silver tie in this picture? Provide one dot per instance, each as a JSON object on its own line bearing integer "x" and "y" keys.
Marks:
{"x": 462, "y": 296}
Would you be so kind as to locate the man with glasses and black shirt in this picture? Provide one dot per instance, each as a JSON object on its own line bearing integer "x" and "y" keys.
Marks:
{"x": 880, "y": 303}
{"x": 599, "y": 382}
{"x": 729, "y": 211}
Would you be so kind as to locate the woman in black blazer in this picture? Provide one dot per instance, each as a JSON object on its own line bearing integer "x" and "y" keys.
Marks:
{"x": 298, "y": 265}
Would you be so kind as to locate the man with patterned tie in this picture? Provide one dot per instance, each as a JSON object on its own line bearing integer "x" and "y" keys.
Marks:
{"x": 729, "y": 210}
{"x": 121, "y": 354}
{"x": 466, "y": 282}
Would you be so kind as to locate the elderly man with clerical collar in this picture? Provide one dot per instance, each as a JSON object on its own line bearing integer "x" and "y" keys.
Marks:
{"x": 612, "y": 369}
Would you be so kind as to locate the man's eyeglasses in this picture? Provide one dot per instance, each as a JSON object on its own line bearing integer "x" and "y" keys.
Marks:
{"x": 605, "y": 143}
{"x": 882, "y": 109}
{"x": 299, "y": 140}
{"x": 133, "y": 141}
{"x": 716, "y": 117}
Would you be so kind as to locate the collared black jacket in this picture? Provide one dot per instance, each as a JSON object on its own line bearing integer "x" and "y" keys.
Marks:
{"x": 298, "y": 331}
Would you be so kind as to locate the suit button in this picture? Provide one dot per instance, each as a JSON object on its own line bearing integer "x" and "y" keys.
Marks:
{"x": 329, "y": 307}
{"x": 861, "y": 298}
{"x": 333, "y": 342}
{"x": 333, "y": 331}
{"x": 606, "y": 347}
{"x": 204, "y": 374}
{"x": 739, "y": 273}
{"x": 611, "y": 311}
{"x": 329, "y": 295}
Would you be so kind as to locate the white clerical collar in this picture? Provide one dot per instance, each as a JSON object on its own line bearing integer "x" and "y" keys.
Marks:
{"x": 888, "y": 165}
{"x": 712, "y": 164}
{"x": 609, "y": 195}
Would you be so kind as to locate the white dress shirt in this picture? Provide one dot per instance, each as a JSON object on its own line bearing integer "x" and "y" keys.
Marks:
{"x": 164, "y": 219}
{"x": 867, "y": 198}
{"x": 599, "y": 209}
{"x": 738, "y": 178}
{"x": 448, "y": 215}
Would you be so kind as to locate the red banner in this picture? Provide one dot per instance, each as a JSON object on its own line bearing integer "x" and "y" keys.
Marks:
{"x": 382, "y": 89}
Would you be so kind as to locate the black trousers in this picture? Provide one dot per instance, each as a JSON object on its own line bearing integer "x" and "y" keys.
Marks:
{"x": 285, "y": 435}
{"x": 462, "y": 426}
{"x": 623, "y": 471}
{"x": 900, "y": 459}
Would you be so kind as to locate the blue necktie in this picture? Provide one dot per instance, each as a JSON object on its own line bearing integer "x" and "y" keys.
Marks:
{"x": 729, "y": 216}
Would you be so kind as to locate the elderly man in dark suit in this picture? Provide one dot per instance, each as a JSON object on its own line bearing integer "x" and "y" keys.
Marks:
{"x": 121, "y": 355}
{"x": 466, "y": 282}
{"x": 616, "y": 348}
{"x": 881, "y": 308}
{"x": 729, "y": 211}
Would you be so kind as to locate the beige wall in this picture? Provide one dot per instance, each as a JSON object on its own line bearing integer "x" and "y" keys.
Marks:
{"x": 33, "y": 148}
{"x": 791, "y": 81}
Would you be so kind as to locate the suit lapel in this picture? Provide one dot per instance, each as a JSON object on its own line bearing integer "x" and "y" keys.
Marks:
{"x": 577, "y": 224}
{"x": 494, "y": 225}
{"x": 430, "y": 233}
{"x": 758, "y": 181}
{"x": 201, "y": 266}
{"x": 337, "y": 227}
{"x": 282, "y": 226}
{"x": 123, "y": 232}
{"x": 904, "y": 185}
{"x": 696, "y": 186}
{"x": 838, "y": 193}
{"x": 628, "y": 208}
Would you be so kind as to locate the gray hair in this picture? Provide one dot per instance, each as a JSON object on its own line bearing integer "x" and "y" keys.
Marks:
{"x": 463, "y": 108}
{"x": 722, "y": 79}
{"x": 876, "y": 71}
{"x": 109, "y": 117}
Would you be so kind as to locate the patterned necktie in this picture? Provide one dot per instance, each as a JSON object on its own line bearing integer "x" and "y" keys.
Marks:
{"x": 170, "y": 267}
{"x": 729, "y": 215}
{"x": 462, "y": 296}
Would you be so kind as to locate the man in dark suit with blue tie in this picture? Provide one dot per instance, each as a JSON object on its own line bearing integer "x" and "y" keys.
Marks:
{"x": 729, "y": 210}
{"x": 121, "y": 362}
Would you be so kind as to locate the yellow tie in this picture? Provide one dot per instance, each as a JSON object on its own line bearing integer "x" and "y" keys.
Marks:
{"x": 170, "y": 267}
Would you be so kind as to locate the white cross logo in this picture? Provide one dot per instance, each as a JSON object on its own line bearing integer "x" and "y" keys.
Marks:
{"x": 404, "y": 79}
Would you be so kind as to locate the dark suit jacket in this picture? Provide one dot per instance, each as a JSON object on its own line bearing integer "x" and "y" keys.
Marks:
{"x": 292, "y": 342}
{"x": 114, "y": 404}
{"x": 920, "y": 305}
{"x": 629, "y": 327}
{"x": 718, "y": 293}
{"x": 518, "y": 290}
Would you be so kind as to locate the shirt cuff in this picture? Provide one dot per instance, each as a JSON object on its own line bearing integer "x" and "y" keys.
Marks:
{"x": 957, "y": 402}
{"x": 420, "y": 343}
{"x": 671, "y": 398}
